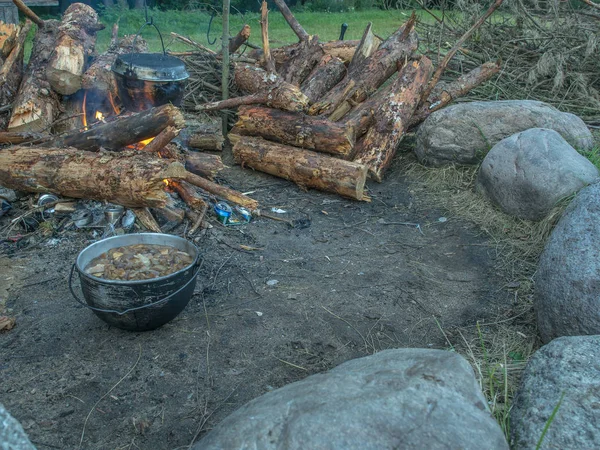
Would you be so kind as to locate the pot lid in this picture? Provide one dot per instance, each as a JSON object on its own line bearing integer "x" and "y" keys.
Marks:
{"x": 150, "y": 67}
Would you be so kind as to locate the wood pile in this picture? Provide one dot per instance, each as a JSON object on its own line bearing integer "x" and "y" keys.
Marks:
{"x": 49, "y": 143}
{"x": 328, "y": 115}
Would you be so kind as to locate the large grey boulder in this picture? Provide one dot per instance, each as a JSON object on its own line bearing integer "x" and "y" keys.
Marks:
{"x": 566, "y": 366}
{"x": 465, "y": 132}
{"x": 567, "y": 282}
{"x": 395, "y": 399}
{"x": 527, "y": 173}
{"x": 12, "y": 435}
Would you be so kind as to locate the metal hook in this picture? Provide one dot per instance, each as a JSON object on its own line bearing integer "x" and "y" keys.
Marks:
{"x": 149, "y": 21}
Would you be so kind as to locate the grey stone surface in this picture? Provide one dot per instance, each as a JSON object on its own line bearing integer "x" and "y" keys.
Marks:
{"x": 569, "y": 365}
{"x": 395, "y": 399}
{"x": 463, "y": 133}
{"x": 527, "y": 173}
{"x": 567, "y": 282}
{"x": 12, "y": 436}
{"x": 8, "y": 194}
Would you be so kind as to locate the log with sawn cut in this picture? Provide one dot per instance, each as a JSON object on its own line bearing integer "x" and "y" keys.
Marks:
{"x": 145, "y": 217}
{"x": 392, "y": 118}
{"x": 222, "y": 192}
{"x": 122, "y": 131}
{"x": 11, "y": 72}
{"x": 239, "y": 39}
{"x": 341, "y": 49}
{"x": 304, "y": 167}
{"x": 132, "y": 179}
{"x": 367, "y": 46}
{"x": 37, "y": 105}
{"x": 295, "y": 129}
{"x": 8, "y": 37}
{"x": 445, "y": 93}
{"x": 99, "y": 75}
{"x": 367, "y": 77}
{"x": 261, "y": 87}
{"x": 203, "y": 164}
{"x": 74, "y": 46}
{"x": 329, "y": 72}
{"x": 207, "y": 141}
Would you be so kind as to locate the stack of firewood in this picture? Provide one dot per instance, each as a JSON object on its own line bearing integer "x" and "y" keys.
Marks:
{"x": 321, "y": 115}
{"x": 49, "y": 148}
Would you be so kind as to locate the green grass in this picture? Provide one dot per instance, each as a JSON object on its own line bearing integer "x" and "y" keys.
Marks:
{"x": 593, "y": 155}
{"x": 194, "y": 24}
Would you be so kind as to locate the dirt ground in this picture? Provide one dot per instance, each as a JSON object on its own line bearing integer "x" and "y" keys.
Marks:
{"x": 356, "y": 281}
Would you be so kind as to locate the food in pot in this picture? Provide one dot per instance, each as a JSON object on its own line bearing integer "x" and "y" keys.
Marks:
{"x": 138, "y": 262}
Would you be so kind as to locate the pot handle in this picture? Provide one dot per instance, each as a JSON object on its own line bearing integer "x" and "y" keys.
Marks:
{"x": 149, "y": 21}
{"x": 120, "y": 313}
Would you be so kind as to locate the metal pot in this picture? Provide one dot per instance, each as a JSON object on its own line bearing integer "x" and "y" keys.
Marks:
{"x": 142, "y": 304}
{"x": 145, "y": 80}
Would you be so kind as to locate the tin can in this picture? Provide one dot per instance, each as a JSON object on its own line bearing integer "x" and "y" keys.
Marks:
{"x": 46, "y": 199}
{"x": 112, "y": 214}
{"x": 223, "y": 212}
{"x": 247, "y": 215}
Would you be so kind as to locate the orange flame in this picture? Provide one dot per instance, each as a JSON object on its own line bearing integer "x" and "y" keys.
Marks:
{"x": 115, "y": 108}
{"x": 85, "y": 125}
{"x": 166, "y": 182}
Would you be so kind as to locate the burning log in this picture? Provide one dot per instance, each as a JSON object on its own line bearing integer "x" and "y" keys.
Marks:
{"x": 207, "y": 141}
{"x": 99, "y": 75}
{"x": 223, "y": 192}
{"x": 262, "y": 88}
{"x": 367, "y": 77}
{"x": 203, "y": 164}
{"x": 329, "y": 72}
{"x": 161, "y": 140}
{"x": 239, "y": 39}
{"x": 295, "y": 129}
{"x": 304, "y": 167}
{"x": 11, "y": 72}
{"x": 122, "y": 131}
{"x": 132, "y": 179}
{"x": 392, "y": 118}
{"x": 75, "y": 44}
{"x": 36, "y": 105}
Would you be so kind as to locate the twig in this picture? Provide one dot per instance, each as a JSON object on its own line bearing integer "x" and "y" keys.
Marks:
{"x": 29, "y": 13}
{"x": 291, "y": 364}
{"x": 190, "y": 42}
{"x": 105, "y": 395}
{"x": 442, "y": 66}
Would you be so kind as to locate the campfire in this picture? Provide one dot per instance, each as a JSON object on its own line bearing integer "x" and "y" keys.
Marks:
{"x": 101, "y": 127}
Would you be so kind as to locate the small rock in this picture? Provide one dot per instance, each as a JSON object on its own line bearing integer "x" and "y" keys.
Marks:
{"x": 8, "y": 194}
{"x": 528, "y": 173}
{"x": 401, "y": 399}
{"x": 258, "y": 313}
{"x": 272, "y": 282}
{"x": 465, "y": 132}
{"x": 566, "y": 371}
{"x": 567, "y": 286}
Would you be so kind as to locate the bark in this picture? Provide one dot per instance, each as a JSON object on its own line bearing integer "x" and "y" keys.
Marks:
{"x": 297, "y": 68}
{"x": 203, "y": 164}
{"x": 277, "y": 92}
{"x": 16, "y": 138}
{"x": 239, "y": 39}
{"x": 304, "y": 167}
{"x": 207, "y": 141}
{"x": 71, "y": 116}
{"x": 222, "y": 192}
{"x": 366, "y": 47}
{"x": 188, "y": 194}
{"x": 131, "y": 179}
{"x": 291, "y": 20}
{"x": 392, "y": 118}
{"x": 123, "y": 130}
{"x": 75, "y": 45}
{"x": 11, "y": 73}
{"x": 99, "y": 75}
{"x": 367, "y": 77}
{"x": 445, "y": 93}
{"x": 36, "y": 104}
{"x": 295, "y": 129}
{"x": 329, "y": 72}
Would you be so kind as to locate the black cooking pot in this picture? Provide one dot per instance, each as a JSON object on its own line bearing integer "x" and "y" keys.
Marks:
{"x": 145, "y": 80}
